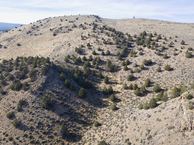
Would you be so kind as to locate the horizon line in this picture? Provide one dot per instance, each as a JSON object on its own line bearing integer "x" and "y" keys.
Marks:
{"x": 124, "y": 18}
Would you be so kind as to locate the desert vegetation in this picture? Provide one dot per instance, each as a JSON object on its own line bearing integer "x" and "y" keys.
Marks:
{"x": 98, "y": 81}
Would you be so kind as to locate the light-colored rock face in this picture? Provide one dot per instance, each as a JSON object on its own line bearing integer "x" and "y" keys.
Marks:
{"x": 168, "y": 124}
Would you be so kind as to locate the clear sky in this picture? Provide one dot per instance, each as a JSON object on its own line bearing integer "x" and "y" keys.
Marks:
{"x": 26, "y": 11}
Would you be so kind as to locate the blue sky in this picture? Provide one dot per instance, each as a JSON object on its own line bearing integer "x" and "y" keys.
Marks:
{"x": 26, "y": 11}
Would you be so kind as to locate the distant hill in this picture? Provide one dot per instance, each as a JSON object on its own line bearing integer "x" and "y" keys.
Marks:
{"x": 7, "y": 26}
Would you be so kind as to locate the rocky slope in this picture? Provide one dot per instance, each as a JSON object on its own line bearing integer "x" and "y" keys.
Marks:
{"x": 104, "y": 82}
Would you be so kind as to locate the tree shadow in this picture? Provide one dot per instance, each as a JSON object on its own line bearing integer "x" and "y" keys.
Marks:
{"x": 77, "y": 113}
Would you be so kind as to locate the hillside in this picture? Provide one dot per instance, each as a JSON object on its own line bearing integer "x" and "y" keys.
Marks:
{"x": 89, "y": 80}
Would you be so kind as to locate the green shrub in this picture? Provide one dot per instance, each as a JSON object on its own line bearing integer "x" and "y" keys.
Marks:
{"x": 110, "y": 67}
{"x": 10, "y": 77}
{"x": 108, "y": 91}
{"x": 157, "y": 88}
{"x": 18, "y": 44}
{"x": 189, "y": 96}
{"x": 11, "y": 115}
{"x": 97, "y": 124}
{"x": 21, "y": 104}
{"x": 142, "y": 67}
{"x": 140, "y": 91}
{"x": 188, "y": 54}
{"x": 190, "y": 49}
{"x": 192, "y": 86}
{"x": 16, "y": 85}
{"x": 159, "y": 69}
{"x": 86, "y": 71}
{"x": 175, "y": 92}
{"x": 67, "y": 58}
{"x": 32, "y": 74}
{"x": 191, "y": 105}
{"x": 67, "y": 83}
{"x": 90, "y": 58}
{"x": 126, "y": 68}
{"x": 17, "y": 123}
{"x": 133, "y": 54}
{"x": 79, "y": 50}
{"x": 137, "y": 70}
{"x": 107, "y": 52}
{"x": 182, "y": 42}
{"x": 133, "y": 86}
{"x": 114, "y": 107}
{"x": 162, "y": 97}
{"x": 141, "y": 53}
{"x": 84, "y": 59}
{"x": 147, "y": 83}
{"x": 153, "y": 103}
{"x": 125, "y": 86}
{"x": 82, "y": 93}
{"x": 78, "y": 60}
{"x": 102, "y": 53}
{"x": 94, "y": 52}
{"x": 127, "y": 62}
{"x": 147, "y": 62}
{"x": 165, "y": 56}
{"x": 47, "y": 101}
{"x": 44, "y": 70}
{"x": 171, "y": 44}
{"x": 168, "y": 68}
{"x": 130, "y": 87}
{"x": 102, "y": 143}
{"x": 141, "y": 106}
{"x": 131, "y": 77}
{"x": 106, "y": 80}
{"x": 144, "y": 106}
{"x": 62, "y": 76}
{"x": 113, "y": 98}
{"x": 25, "y": 86}
{"x": 63, "y": 131}
{"x": 2, "y": 92}
{"x": 149, "y": 104}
